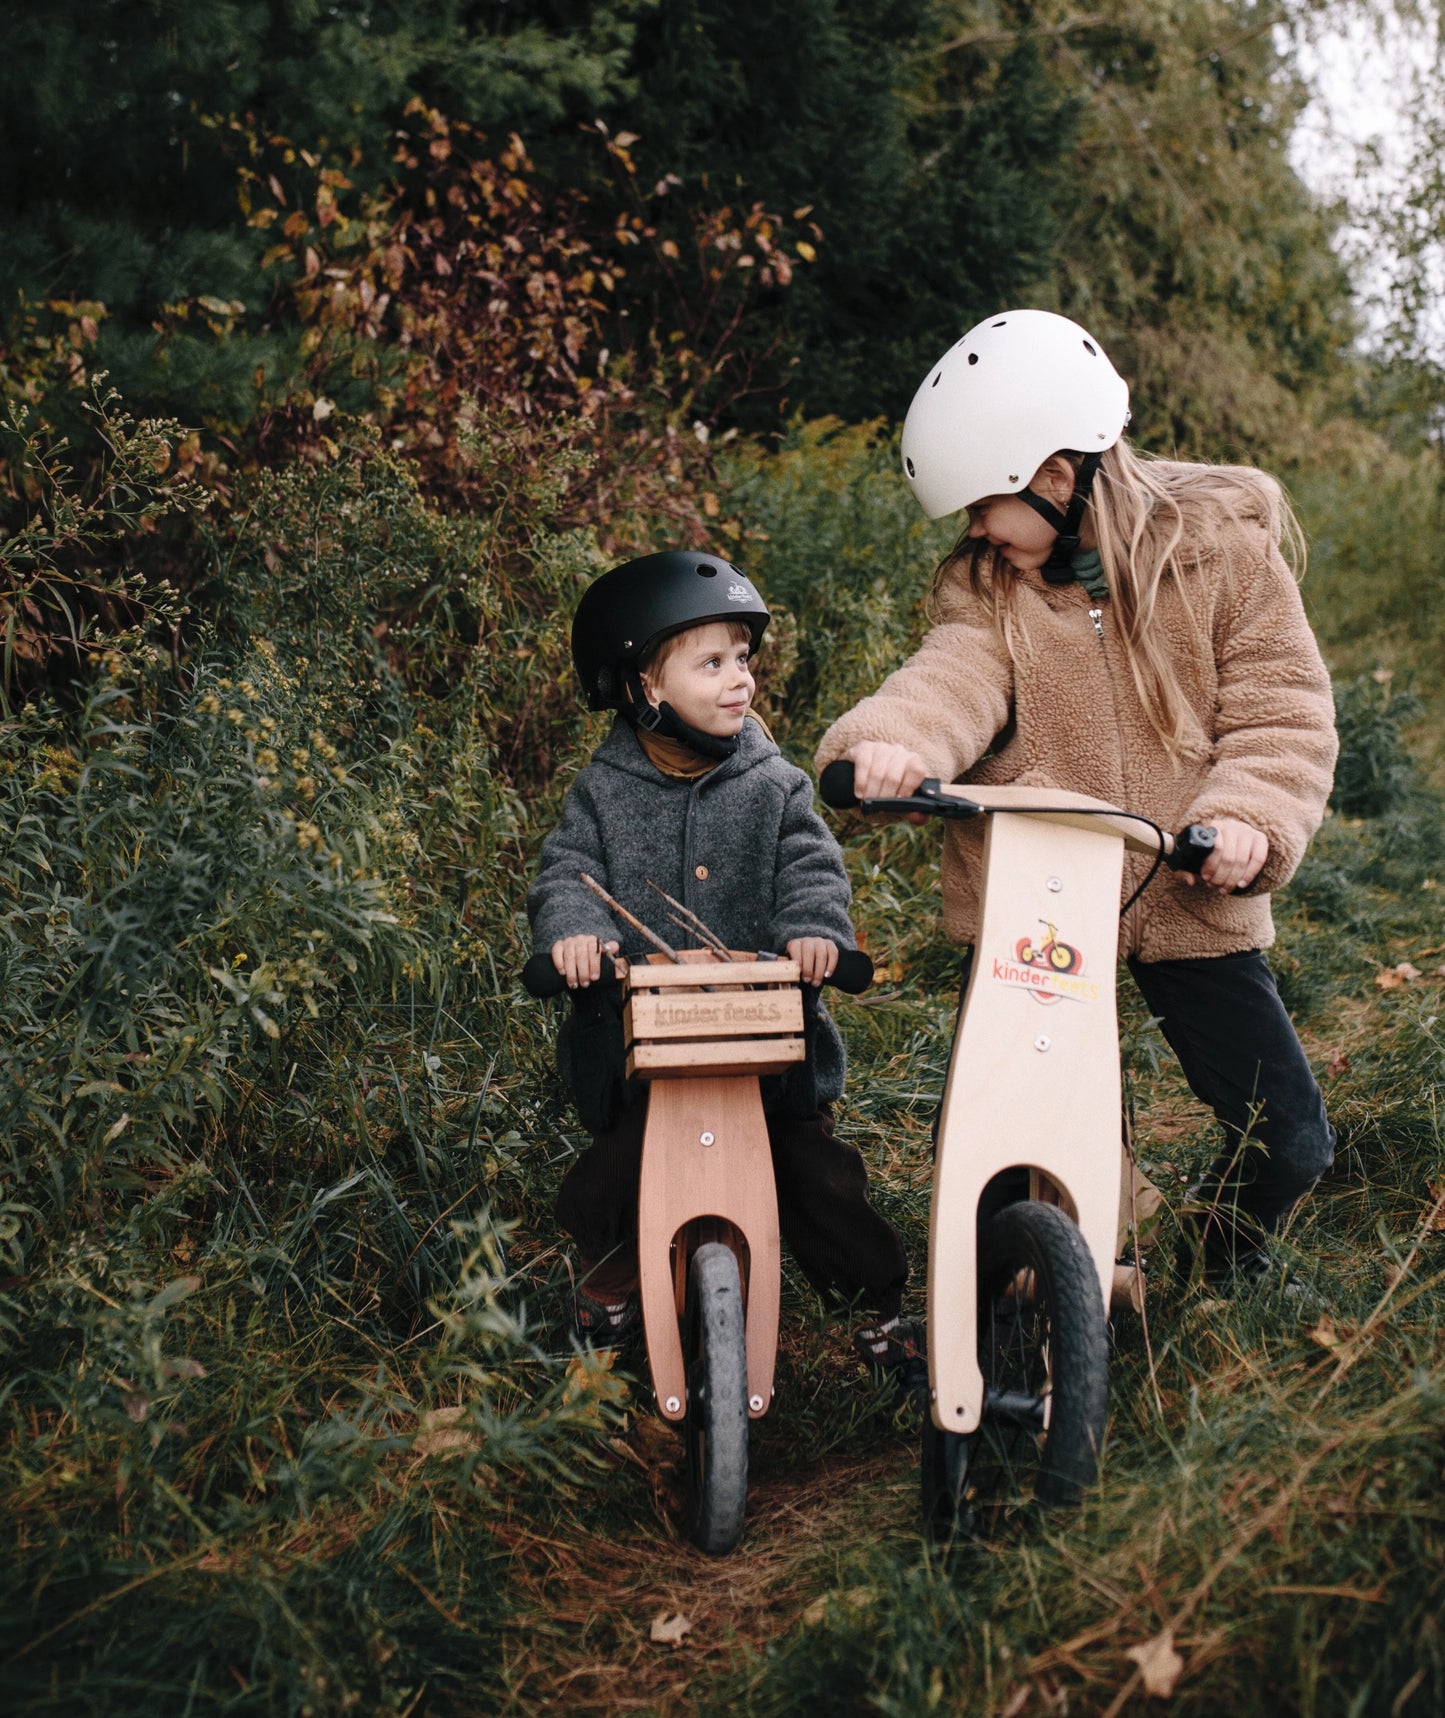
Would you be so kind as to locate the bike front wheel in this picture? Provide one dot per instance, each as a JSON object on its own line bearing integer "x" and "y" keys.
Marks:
{"x": 716, "y": 1427}
{"x": 1043, "y": 1351}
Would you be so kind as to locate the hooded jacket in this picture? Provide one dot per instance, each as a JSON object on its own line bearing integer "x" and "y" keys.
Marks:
{"x": 1063, "y": 711}
{"x": 740, "y": 846}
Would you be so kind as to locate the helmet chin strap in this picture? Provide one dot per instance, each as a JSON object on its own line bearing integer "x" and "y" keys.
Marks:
{"x": 1059, "y": 568}
{"x": 664, "y": 720}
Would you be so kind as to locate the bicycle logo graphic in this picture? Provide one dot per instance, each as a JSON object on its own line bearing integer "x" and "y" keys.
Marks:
{"x": 1048, "y": 968}
{"x": 1051, "y": 954}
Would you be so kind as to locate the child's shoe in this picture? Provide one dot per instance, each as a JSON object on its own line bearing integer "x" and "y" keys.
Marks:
{"x": 897, "y": 1349}
{"x": 604, "y": 1323}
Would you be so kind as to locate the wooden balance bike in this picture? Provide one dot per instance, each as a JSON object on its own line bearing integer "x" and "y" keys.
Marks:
{"x": 702, "y": 1030}
{"x": 1027, "y": 1172}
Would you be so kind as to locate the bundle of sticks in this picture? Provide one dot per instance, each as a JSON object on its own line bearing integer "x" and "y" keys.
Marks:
{"x": 682, "y": 916}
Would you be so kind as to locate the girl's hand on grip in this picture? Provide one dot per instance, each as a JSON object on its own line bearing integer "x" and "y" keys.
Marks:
{"x": 1240, "y": 851}
{"x": 816, "y": 958}
{"x": 882, "y": 770}
{"x": 579, "y": 959}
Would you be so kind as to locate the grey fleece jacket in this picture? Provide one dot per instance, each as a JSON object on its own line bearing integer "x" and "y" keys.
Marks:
{"x": 741, "y": 846}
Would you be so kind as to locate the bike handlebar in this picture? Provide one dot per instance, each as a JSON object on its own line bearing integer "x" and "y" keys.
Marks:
{"x": 1187, "y": 851}
{"x": 852, "y": 974}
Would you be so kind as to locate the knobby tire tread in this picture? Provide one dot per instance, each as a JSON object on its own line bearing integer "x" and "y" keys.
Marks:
{"x": 716, "y": 1430}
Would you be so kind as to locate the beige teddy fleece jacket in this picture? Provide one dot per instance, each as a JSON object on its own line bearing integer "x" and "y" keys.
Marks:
{"x": 1063, "y": 711}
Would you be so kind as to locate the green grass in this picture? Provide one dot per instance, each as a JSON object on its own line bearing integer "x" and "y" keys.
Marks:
{"x": 289, "y": 1424}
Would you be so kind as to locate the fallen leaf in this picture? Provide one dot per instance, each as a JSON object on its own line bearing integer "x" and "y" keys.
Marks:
{"x": 1393, "y": 977}
{"x": 1160, "y": 1667}
{"x": 438, "y": 1433}
{"x": 669, "y": 1630}
{"x": 1327, "y": 1333}
{"x": 853, "y": 1599}
{"x": 1338, "y": 1064}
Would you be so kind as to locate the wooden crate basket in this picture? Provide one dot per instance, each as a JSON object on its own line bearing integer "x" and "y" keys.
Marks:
{"x": 710, "y": 1017}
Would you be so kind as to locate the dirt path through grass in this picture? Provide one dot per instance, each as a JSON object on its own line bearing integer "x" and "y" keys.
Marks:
{"x": 586, "y": 1603}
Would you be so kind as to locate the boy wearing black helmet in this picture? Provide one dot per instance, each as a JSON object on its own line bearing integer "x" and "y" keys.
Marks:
{"x": 689, "y": 791}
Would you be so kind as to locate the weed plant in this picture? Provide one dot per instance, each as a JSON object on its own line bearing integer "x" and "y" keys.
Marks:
{"x": 289, "y": 1422}
{"x": 272, "y": 1374}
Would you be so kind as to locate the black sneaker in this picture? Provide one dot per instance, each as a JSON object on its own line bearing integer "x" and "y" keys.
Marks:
{"x": 1262, "y": 1271}
{"x": 897, "y": 1349}
{"x": 605, "y": 1324}
{"x": 1250, "y": 1269}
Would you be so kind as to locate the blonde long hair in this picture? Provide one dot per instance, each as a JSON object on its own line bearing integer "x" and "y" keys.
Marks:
{"x": 1153, "y": 519}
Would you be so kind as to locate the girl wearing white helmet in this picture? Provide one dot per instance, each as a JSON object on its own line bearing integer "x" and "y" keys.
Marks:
{"x": 1129, "y": 628}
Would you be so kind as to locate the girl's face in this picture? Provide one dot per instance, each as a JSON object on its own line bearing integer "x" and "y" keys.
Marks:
{"x": 1018, "y": 533}
{"x": 706, "y": 679}
{"x": 1015, "y": 530}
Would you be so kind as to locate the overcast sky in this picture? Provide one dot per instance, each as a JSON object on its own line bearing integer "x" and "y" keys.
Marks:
{"x": 1357, "y": 138}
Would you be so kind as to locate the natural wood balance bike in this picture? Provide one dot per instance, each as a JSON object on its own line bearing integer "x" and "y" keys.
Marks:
{"x": 1017, "y": 1287}
{"x": 702, "y": 1031}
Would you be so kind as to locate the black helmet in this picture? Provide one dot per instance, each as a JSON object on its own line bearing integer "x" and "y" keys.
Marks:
{"x": 627, "y": 611}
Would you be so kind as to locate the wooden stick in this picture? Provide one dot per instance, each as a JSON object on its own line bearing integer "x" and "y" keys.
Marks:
{"x": 627, "y": 918}
{"x": 687, "y": 920}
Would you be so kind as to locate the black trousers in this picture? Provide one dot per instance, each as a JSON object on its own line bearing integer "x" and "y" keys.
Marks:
{"x": 1239, "y": 1051}
{"x": 843, "y": 1246}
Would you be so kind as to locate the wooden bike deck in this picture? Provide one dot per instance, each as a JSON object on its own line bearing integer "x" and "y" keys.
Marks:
{"x": 1033, "y": 1080}
{"x": 706, "y": 1161}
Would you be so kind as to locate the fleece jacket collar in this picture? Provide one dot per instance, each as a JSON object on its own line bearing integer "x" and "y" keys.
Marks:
{"x": 621, "y": 750}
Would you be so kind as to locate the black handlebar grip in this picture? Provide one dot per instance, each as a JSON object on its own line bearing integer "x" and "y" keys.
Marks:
{"x": 853, "y": 972}
{"x": 1192, "y": 847}
{"x": 541, "y": 979}
{"x": 836, "y": 785}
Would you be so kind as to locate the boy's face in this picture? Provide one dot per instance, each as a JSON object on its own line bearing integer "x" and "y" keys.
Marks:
{"x": 706, "y": 679}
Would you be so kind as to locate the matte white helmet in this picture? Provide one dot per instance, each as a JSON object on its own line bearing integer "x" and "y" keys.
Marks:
{"x": 1014, "y": 390}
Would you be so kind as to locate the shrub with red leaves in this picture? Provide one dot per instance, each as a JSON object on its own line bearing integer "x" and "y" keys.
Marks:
{"x": 473, "y": 314}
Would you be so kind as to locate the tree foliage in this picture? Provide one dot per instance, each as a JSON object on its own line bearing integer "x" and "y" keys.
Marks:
{"x": 1127, "y": 164}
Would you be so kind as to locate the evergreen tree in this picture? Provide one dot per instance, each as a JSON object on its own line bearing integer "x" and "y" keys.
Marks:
{"x": 114, "y": 187}
{"x": 935, "y": 203}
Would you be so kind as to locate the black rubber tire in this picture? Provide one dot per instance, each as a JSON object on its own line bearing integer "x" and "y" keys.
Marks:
{"x": 1042, "y": 1336}
{"x": 716, "y": 1428}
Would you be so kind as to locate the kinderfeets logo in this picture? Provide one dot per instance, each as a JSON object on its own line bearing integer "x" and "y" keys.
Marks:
{"x": 738, "y": 592}
{"x": 1050, "y": 969}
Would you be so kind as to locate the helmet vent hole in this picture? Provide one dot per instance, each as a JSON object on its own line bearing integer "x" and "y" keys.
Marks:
{"x": 1091, "y": 348}
{"x": 908, "y": 467}
{"x": 706, "y": 572}
{"x": 936, "y": 380}
{"x": 1003, "y": 324}
{"x": 973, "y": 357}
{"x": 1013, "y": 477}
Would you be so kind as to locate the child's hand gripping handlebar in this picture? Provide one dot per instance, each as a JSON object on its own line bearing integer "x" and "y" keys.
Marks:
{"x": 852, "y": 974}
{"x": 1189, "y": 850}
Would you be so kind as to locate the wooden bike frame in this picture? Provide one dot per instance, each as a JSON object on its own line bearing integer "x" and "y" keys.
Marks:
{"x": 703, "y": 1038}
{"x": 1033, "y": 1081}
